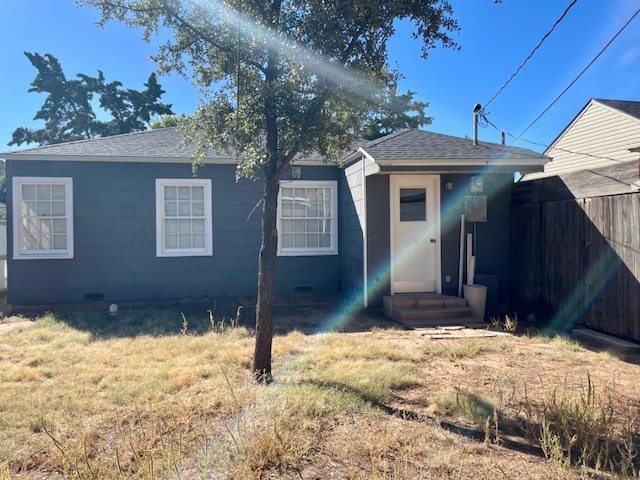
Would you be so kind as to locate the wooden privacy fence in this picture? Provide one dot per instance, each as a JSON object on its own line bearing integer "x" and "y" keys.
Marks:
{"x": 577, "y": 261}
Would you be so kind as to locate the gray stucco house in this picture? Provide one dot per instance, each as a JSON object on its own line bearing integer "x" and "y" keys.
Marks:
{"x": 123, "y": 218}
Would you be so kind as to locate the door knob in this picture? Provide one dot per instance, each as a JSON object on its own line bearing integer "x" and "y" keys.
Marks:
{"x": 433, "y": 240}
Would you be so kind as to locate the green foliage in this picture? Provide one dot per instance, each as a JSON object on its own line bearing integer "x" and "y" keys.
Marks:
{"x": 68, "y": 112}
{"x": 166, "y": 121}
{"x": 394, "y": 113}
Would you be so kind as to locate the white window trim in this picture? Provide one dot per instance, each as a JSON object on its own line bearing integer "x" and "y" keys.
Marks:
{"x": 161, "y": 251}
{"x": 296, "y": 252}
{"x": 19, "y": 253}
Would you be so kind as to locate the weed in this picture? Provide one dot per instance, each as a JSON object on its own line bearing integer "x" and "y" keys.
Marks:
{"x": 509, "y": 323}
{"x": 589, "y": 427}
{"x": 470, "y": 407}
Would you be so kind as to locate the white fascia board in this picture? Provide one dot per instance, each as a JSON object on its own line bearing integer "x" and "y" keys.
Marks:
{"x": 120, "y": 159}
{"x": 462, "y": 162}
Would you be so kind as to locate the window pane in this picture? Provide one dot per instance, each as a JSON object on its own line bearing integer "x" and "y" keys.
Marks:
{"x": 43, "y": 192}
{"x": 198, "y": 241}
{"x": 43, "y": 209}
{"x": 287, "y": 208}
{"x": 313, "y": 226}
{"x": 299, "y": 226}
{"x": 45, "y": 226}
{"x": 28, "y": 192}
{"x": 57, "y": 192}
{"x": 413, "y": 204}
{"x": 57, "y": 208}
{"x": 197, "y": 226}
{"x": 28, "y": 209}
{"x": 197, "y": 193}
{"x": 184, "y": 209}
{"x": 287, "y": 226}
{"x": 171, "y": 241}
{"x": 299, "y": 241}
{"x": 171, "y": 226}
{"x": 325, "y": 240}
{"x": 45, "y": 242}
{"x": 184, "y": 193}
{"x": 313, "y": 240}
{"x": 30, "y": 242}
{"x": 59, "y": 226}
{"x": 170, "y": 209}
{"x": 170, "y": 193}
{"x": 184, "y": 226}
{"x": 30, "y": 225}
{"x": 184, "y": 241}
{"x": 60, "y": 242}
{"x": 287, "y": 241}
{"x": 197, "y": 209}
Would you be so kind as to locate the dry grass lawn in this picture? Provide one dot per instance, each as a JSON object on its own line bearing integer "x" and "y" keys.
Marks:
{"x": 80, "y": 398}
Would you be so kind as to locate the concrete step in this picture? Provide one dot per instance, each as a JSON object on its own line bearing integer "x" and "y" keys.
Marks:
{"x": 424, "y": 313}
{"x": 413, "y": 300}
{"x": 451, "y": 322}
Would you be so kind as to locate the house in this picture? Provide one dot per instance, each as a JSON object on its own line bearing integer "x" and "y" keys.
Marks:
{"x": 577, "y": 225}
{"x": 599, "y": 136}
{"x": 123, "y": 218}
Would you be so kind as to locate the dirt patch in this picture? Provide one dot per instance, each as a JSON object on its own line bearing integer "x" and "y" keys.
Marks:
{"x": 13, "y": 323}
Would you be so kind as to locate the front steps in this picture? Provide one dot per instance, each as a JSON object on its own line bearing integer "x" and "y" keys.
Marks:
{"x": 429, "y": 310}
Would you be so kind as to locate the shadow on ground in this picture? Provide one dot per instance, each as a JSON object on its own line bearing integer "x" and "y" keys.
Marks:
{"x": 306, "y": 313}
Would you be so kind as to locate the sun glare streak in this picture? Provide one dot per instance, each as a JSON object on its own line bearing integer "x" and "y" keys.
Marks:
{"x": 294, "y": 52}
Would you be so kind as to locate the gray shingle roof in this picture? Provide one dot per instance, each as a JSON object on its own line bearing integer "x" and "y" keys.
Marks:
{"x": 626, "y": 106}
{"x": 414, "y": 144}
{"x": 408, "y": 144}
{"x": 161, "y": 143}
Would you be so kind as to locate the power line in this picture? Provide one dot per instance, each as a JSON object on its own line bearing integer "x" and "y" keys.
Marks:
{"x": 580, "y": 74}
{"x": 532, "y": 52}
{"x": 584, "y": 154}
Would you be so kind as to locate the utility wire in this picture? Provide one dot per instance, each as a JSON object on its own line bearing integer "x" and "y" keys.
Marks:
{"x": 564, "y": 14}
{"x": 584, "y": 154}
{"x": 579, "y": 75}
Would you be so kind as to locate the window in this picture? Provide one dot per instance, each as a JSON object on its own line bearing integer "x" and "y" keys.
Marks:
{"x": 183, "y": 218}
{"x": 413, "y": 204}
{"x": 43, "y": 217}
{"x": 307, "y": 220}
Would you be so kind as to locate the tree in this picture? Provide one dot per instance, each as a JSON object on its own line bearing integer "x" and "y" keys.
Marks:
{"x": 167, "y": 121}
{"x": 68, "y": 112}
{"x": 395, "y": 112}
{"x": 280, "y": 79}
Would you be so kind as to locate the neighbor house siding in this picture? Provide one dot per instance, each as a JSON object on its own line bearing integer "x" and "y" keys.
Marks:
{"x": 115, "y": 239}
{"x": 598, "y": 137}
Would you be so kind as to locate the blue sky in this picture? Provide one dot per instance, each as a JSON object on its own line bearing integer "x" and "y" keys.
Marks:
{"x": 495, "y": 39}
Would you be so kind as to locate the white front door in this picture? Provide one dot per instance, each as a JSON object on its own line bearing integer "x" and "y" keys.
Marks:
{"x": 415, "y": 233}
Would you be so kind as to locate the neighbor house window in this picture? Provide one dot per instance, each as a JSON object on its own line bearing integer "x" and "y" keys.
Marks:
{"x": 183, "y": 218}
{"x": 307, "y": 218}
{"x": 43, "y": 217}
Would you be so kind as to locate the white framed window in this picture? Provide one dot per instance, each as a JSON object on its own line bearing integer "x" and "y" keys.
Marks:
{"x": 183, "y": 218}
{"x": 307, "y": 218}
{"x": 42, "y": 217}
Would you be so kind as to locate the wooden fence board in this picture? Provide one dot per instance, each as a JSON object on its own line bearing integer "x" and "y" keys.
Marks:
{"x": 578, "y": 261}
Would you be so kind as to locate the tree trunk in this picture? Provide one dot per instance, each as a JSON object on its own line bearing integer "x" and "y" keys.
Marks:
{"x": 266, "y": 279}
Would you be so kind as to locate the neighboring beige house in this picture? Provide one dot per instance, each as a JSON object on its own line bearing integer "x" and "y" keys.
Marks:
{"x": 601, "y": 135}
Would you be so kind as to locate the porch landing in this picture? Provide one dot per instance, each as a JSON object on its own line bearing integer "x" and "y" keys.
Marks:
{"x": 420, "y": 310}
